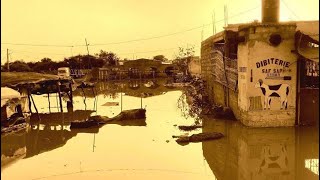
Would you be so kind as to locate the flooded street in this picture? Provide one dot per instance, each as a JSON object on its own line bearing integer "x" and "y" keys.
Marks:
{"x": 50, "y": 150}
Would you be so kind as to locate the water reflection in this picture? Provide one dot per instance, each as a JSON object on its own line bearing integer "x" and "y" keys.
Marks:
{"x": 261, "y": 153}
{"x": 49, "y": 133}
{"x": 136, "y": 88}
{"x": 244, "y": 153}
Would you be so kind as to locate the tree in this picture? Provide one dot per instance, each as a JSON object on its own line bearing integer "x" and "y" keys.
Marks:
{"x": 18, "y": 66}
{"x": 160, "y": 58}
{"x": 183, "y": 58}
{"x": 45, "y": 64}
{"x": 109, "y": 58}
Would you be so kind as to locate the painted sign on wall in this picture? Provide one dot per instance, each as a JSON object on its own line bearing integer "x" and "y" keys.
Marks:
{"x": 282, "y": 66}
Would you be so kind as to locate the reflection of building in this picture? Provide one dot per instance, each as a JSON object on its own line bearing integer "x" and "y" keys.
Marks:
{"x": 259, "y": 69}
{"x": 136, "y": 88}
{"x": 260, "y": 153}
{"x": 140, "y": 68}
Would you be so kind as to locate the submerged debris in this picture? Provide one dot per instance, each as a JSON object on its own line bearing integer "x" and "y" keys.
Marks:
{"x": 189, "y": 128}
{"x": 125, "y": 117}
{"x": 198, "y": 137}
{"x": 111, "y": 104}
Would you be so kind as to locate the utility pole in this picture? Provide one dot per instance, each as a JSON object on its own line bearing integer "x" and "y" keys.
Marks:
{"x": 88, "y": 52}
{"x": 213, "y": 22}
{"x": 87, "y": 45}
{"x": 202, "y": 33}
{"x": 225, "y": 15}
{"x": 8, "y": 60}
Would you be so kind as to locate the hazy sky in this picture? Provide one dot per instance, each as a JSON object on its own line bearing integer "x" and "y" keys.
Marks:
{"x": 60, "y": 24}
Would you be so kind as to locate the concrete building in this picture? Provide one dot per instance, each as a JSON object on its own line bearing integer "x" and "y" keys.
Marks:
{"x": 259, "y": 70}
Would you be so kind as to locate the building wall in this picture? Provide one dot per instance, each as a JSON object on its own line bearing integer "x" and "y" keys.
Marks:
{"x": 212, "y": 63}
{"x": 262, "y": 65}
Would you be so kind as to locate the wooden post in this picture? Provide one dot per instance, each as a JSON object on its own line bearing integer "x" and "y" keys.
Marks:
{"x": 84, "y": 100}
{"x": 29, "y": 99}
{"x": 70, "y": 90}
{"x": 57, "y": 101}
{"x": 59, "y": 92}
{"x": 49, "y": 102}
{"x": 121, "y": 99}
{"x": 94, "y": 94}
{"x": 34, "y": 104}
{"x": 141, "y": 101}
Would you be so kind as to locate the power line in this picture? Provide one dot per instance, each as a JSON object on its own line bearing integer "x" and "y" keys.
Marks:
{"x": 135, "y": 40}
{"x": 47, "y": 45}
{"x": 154, "y": 50}
{"x": 171, "y": 34}
{"x": 22, "y": 51}
{"x": 292, "y": 12}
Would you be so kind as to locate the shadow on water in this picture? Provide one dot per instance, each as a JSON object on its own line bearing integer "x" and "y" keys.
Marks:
{"x": 50, "y": 133}
{"x": 262, "y": 153}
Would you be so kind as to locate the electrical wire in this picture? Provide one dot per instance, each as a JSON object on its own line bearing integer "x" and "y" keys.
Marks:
{"x": 134, "y": 40}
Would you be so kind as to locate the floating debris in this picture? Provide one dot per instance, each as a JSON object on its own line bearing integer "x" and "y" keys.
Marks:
{"x": 133, "y": 117}
{"x": 198, "y": 137}
{"x": 111, "y": 104}
{"x": 189, "y": 128}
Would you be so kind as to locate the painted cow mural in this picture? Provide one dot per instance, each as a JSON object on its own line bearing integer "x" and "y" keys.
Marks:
{"x": 281, "y": 91}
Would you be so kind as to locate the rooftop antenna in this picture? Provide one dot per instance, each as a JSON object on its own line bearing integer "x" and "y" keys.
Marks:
{"x": 214, "y": 23}
{"x": 202, "y": 33}
{"x": 225, "y": 15}
{"x": 88, "y": 52}
{"x": 8, "y": 68}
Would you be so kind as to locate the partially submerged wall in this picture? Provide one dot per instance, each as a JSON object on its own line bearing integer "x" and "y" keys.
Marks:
{"x": 220, "y": 72}
{"x": 263, "y": 94}
{"x": 267, "y": 75}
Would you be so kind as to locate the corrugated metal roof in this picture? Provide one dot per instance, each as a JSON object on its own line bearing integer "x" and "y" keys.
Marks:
{"x": 310, "y": 28}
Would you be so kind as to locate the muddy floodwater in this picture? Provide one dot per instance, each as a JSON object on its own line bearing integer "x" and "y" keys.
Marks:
{"x": 50, "y": 150}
